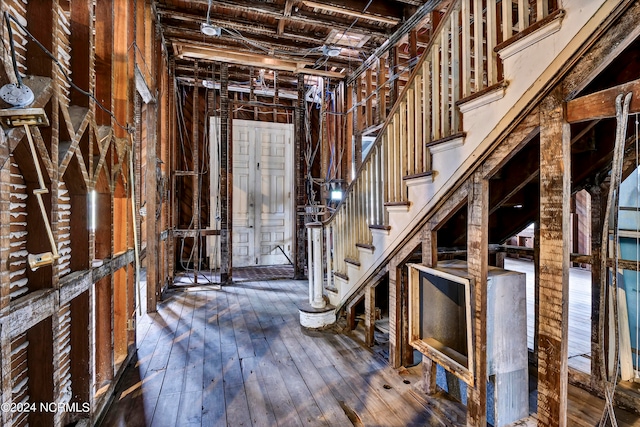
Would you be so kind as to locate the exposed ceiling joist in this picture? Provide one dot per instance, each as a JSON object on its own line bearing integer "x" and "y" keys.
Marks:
{"x": 285, "y": 14}
{"x": 350, "y": 12}
{"x": 263, "y": 61}
{"x": 169, "y": 12}
{"x": 312, "y": 59}
{"x": 601, "y": 105}
{"x": 294, "y": 43}
{"x": 404, "y": 29}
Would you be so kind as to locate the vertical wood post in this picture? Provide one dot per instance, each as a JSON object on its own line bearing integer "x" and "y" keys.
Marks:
{"x": 369, "y": 315}
{"x": 598, "y": 203}
{"x": 300, "y": 195}
{"x": 151, "y": 181}
{"x": 536, "y": 286}
{"x": 555, "y": 192}
{"x": 226, "y": 178}
{"x": 195, "y": 178}
{"x": 395, "y": 340}
{"x": 394, "y": 87}
{"x": 358, "y": 121}
{"x": 477, "y": 262}
{"x": 430, "y": 259}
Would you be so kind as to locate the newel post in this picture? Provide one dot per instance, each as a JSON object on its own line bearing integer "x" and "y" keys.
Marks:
{"x": 316, "y": 314}
{"x": 316, "y": 282}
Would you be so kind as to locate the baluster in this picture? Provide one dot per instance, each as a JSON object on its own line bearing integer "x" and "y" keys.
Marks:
{"x": 542, "y": 9}
{"x": 477, "y": 45}
{"x": 362, "y": 190}
{"x": 466, "y": 48}
{"x": 492, "y": 40}
{"x": 523, "y": 14}
{"x": 426, "y": 99}
{"x": 366, "y": 202}
{"x": 388, "y": 161}
{"x": 435, "y": 93}
{"x": 348, "y": 225}
{"x": 397, "y": 163}
{"x": 379, "y": 197}
{"x": 329, "y": 254}
{"x": 403, "y": 143}
{"x": 444, "y": 72}
{"x": 455, "y": 70}
{"x": 507, "y": 20}
{"x": 339, "y": 241}
{"x": 417, "y": 124}
{"x": 411, "y": 131}
{"x": 391, "y": 174}
{"x": 353, "y": 224}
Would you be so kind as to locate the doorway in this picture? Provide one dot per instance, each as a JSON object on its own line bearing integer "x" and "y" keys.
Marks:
{"x": 262, "y": 206}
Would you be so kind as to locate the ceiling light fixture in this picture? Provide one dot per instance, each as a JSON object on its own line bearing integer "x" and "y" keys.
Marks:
{"x": 15, "y": 94}
{"x": 209, "y": 29}
{"x": 331, "y": 51}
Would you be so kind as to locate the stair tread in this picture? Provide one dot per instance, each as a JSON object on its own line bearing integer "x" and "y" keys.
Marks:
{"x": 352, "y": 261}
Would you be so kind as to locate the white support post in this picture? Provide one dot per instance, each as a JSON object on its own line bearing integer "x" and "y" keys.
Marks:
{"x": 317, "y": 314}
{"x": 310, "y": 259}
{"x": 316, "y": 283}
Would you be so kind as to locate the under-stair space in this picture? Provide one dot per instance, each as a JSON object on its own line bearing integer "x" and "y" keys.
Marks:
{"x": 489, "y": 135}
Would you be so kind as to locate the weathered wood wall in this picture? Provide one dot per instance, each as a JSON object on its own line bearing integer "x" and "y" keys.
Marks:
{"x": 67, "y": 328}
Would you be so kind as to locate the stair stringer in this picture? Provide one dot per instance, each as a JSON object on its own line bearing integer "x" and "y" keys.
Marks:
{"x": 530, "y": 74}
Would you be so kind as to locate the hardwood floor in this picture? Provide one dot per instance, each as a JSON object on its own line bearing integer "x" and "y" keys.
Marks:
{"x": 238, "y": 357}
{"x": 579, "y": 312}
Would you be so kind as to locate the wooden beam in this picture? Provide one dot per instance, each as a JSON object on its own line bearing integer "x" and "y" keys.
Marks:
{"x": 226, "y": 178}
{"x": 555, "y": 193}
{"x": 350, "y": 12}
{"x": 241, "y": 58}
{"x": 601, "y": 105}
{"x": 300, "y": 187}
{"x": 195, "y": 178}
{"x": 598, "y": 204}
{"x": 167, "y": 13}
{"x": 477, "y": 263}
{"x": 285, "y": 14}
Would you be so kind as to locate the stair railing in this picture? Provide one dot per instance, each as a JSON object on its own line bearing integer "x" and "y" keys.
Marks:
{"x": 459, "y": 61}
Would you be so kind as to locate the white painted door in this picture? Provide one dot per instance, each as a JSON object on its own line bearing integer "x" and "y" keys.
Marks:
{"x": 263, "y": 214}
{"x": 243, "y": 209}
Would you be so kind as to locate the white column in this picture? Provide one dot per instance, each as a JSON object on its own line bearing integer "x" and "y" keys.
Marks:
{"x": 316, "y": 281}
{"x": 310, "y": 259}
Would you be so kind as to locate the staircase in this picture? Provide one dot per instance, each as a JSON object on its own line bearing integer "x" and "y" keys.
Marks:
{"x": 479, "y": 75}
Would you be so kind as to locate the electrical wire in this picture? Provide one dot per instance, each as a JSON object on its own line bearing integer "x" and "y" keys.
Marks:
{"x": 637, "y": 308}
{"x": 13, "y": 48}
{"x": 9, "y": 17}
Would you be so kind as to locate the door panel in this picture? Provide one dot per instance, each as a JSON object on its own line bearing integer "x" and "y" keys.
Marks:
{"x": 262, "y": 186}
{"x": 243, "y": 240}
{"x": 275, "y": 172}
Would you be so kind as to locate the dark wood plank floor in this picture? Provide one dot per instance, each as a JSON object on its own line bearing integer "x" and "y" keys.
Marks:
{"x": 238, "y": 357}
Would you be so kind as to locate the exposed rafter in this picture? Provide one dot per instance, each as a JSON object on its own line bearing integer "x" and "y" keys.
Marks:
{"x": 247, "y": 25}
{"x": 264, "y": 61}
{"x": 351, "y": 12}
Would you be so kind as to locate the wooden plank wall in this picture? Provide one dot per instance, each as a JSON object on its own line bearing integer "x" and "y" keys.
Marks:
{"x": 49, "y": 352}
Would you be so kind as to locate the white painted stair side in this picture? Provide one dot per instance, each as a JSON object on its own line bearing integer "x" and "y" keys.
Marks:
{"x": 527, "y": 72}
